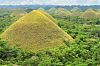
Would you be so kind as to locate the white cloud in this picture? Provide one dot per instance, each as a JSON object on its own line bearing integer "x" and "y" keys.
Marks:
{"x": 29, "y": 2}
{"x": 48, "y": 2}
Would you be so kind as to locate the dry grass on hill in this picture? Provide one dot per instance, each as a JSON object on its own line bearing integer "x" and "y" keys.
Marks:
{"x": 18, "y": 13}
{"x": 76, "y": 11}
{"x": 34, "y": 32}
{"x": 49, "y": 16}
{"x": 89, "y": 14}
{"x": 98, "y": 15}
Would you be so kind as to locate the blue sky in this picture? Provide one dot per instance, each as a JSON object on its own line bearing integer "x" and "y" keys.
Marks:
{"x": 50, "y": 2}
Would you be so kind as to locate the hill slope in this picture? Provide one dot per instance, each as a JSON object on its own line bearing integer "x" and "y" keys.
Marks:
{"x": 61, "y": 12}
{"x": 89, "y": 14}
{"x": 49, "y": 16}
{"x": 34, "y": 32}
{"x": 76, "y": 11}
{"x": 18, "y": 12}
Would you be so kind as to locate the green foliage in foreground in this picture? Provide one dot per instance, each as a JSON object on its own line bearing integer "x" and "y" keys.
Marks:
{"x": 75, "y": 54}
{"x": 10, "y": 56}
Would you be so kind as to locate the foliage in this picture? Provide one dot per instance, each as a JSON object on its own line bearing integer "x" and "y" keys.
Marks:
{"x": 12, "y": 55}
{"x": 85, "y": 51}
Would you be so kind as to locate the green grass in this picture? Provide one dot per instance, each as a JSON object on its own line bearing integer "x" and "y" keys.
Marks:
{"x": 35, "y": 31}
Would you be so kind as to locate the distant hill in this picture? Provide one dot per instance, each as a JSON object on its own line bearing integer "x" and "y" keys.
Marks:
{"x": 42, "y": 9}
{"x": 76, "y": 11}
{"x": 98, "y": 15}
{"x": 50, "y": 6}
{"x": 89, "y": 14}
{"x": 52, "y": 10}
{"x": 18, "y": 12}
{"x": 59, "y": 12}
{"x": 36, "y": 31}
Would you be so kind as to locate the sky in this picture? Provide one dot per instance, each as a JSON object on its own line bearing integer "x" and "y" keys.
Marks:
{"x": 50, "y": 2}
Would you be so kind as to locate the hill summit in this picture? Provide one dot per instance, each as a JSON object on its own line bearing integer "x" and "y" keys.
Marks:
{"x": 89, "y": 14}
{"x": 34, "y": 32}
{"x": 18, "y": 12}
{"x": 76, "y": 12}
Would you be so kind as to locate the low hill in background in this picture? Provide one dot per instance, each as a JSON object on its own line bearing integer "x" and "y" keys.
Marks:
{"x": 42, "y": 9}
{"x": 84, "y": 7}
{"x": 89, "y": 14}
{"x": 18, "y": 12}
{"x": 76, "y": 11}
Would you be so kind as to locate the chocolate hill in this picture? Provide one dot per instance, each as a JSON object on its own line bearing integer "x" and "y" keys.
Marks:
{"x": 35, "y": 31}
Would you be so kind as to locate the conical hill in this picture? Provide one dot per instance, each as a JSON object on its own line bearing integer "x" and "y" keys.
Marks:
{"x": 63, "y": 12}
{"x": 18, "y": 12}
{"x": 98, "y": 15}
{"x": 34, "y": 32}
{"x": 52, "y": 10}
{"x": 76, "y": 12}
{"x": 42, "y": 9}
{"x": 89, "y": 14}
{"x": 49, "y": 16}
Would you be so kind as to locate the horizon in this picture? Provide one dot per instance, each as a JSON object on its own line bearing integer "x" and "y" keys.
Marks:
{"x": 50, "y": 5}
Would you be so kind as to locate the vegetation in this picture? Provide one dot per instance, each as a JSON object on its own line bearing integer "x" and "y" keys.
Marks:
{"x": 84, "y": 51}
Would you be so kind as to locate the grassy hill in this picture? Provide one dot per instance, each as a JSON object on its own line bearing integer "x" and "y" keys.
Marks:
{"x": 76, "y": 11}
{"x": 98, "y": 14}
{"x": 52, "y": 10}
{"x": 49, "y": 16}
{"x": 63, "y": 12}
{"x": 35, "y": 31}
{"x": 60, "y": 12}
{"x": 42, "y": 9}
{"x": 89, "y": 14}
{"x": 18, "y": 12}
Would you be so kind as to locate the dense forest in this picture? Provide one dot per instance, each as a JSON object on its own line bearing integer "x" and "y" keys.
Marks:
{"x": 84, "y": 51}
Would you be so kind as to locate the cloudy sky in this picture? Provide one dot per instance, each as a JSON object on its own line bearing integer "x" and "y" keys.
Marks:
{"x": 50, "y": 2}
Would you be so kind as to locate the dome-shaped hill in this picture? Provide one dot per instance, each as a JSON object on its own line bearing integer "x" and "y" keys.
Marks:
{"x": 61, "y": 9}
{"x": 35, "y": 31}
{"x": 42, "y": 9}
{"x": 75, "y": 11}
{"x": 89, "y": 14}
{"x": 49, "y": 16}
{"x": 76, "y": 14}
{"x": 98, "y": 15}
{"x": 4, "y": 11}
{"x": 18, "y": 12}
{"x": 98, "y": 10}
{"x": 61, "y": 12}
{"x": 52, "y": 11}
